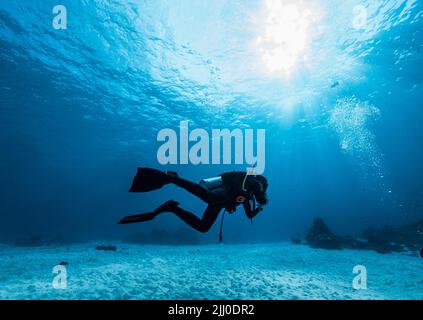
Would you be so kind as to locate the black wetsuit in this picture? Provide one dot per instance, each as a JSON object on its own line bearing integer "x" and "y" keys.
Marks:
{"x": 228, "y": 197}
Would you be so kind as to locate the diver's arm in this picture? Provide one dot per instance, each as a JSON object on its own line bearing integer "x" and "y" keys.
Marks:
{"x": 250, "y": 213}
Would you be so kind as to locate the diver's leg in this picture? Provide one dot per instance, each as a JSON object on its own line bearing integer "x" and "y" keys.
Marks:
{"x": 193, "y": 188}
{"x": 202, "y": 225}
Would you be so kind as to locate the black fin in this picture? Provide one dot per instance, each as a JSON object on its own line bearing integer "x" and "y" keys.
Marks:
{"x": 138, "y": 218}
{"x": 148, "y": 179}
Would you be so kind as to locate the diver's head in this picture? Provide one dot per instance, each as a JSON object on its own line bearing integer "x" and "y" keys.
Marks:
{"x": 257, "y": 185}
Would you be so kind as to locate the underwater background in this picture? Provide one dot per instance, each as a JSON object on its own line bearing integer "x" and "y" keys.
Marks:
{"x": 337, "y": 85}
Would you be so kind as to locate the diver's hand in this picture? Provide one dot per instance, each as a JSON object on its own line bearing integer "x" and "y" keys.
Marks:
{"x": 255, "y": 212}
{"x": 259, "y": 209}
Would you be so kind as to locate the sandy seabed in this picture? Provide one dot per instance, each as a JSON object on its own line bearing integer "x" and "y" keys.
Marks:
{"x": 259, "y": 271}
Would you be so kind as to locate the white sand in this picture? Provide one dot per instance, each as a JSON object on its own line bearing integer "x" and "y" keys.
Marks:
{"x": 271, "y": 271}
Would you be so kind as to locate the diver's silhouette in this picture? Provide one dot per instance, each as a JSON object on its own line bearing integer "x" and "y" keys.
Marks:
{"x": 226, "y": 191}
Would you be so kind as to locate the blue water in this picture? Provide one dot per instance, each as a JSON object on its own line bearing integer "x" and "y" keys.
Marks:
{"x": 80, "y": 110}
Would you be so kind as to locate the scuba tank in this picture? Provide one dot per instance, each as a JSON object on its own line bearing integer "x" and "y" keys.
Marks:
{"x": 212, "y": 183}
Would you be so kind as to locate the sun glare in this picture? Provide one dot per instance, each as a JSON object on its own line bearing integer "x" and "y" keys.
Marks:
{"x": 285, "y": 36}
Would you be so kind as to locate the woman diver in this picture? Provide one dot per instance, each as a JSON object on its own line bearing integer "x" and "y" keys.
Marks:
{"x": 226, "y": 191}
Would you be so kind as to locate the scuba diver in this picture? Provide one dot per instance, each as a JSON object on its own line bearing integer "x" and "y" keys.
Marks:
{"x": 226, "y": 191}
